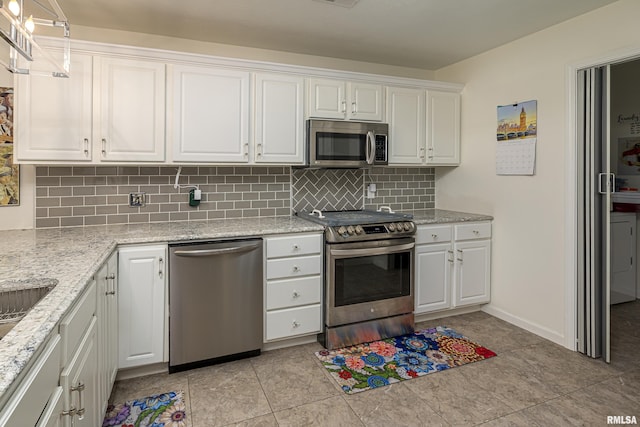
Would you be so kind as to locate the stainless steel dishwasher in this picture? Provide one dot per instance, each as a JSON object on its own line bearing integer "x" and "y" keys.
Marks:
{"x": 215, "y": 302}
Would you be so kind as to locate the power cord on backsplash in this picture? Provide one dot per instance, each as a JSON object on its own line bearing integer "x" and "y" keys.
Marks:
{"x": 195, "y": 194}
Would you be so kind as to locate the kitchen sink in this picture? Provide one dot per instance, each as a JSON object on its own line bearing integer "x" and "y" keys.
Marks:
{"x": 17, "y": 297}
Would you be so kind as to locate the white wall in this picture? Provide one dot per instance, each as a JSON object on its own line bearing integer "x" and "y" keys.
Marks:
{"x": 529, "y": 253}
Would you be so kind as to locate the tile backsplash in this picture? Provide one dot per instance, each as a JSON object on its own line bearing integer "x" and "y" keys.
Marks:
{"x": 95, "y": 195}
{"x": 71, "y": 196}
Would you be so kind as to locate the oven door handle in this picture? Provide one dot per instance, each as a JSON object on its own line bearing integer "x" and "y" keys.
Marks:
{"x": 344, "y": 253}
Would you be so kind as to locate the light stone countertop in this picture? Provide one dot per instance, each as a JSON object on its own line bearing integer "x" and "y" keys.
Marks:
{"x": 71, "y": 256}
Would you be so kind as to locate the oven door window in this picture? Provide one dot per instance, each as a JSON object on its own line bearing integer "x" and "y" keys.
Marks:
{"x": 341, "y": 146}
{"x": 372, "y": 278}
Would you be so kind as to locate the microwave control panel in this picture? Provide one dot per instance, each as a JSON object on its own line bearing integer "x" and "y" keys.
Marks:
{"x": 381, "y": 148}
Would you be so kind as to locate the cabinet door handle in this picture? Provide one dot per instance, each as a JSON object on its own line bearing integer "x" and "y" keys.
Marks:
{"x": 459, "y": 257}
{"x": 111, "y": 284}
{"x": 434, "y": 236}
{"x": 160, "y": 260}
{"x": 104, "y": 147}
{"x": 86, "y": 147}
{"x": 354, "y": 107}
{"x": 246, "y": 149}
{"x": 430, "y": 152}
{"x": 450, "y": 258}
{"x": 71, "y": 412}
{"x": 422, "y": 152}
{"x": 344, "y": 106}
{"x": 259, "y": 149}
{"x": 80, "y": 389}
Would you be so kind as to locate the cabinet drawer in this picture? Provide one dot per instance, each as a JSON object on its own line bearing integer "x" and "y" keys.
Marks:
{"x": 478, "y": 230}
{"x": 75, "y": 323}
{"x": 293, "y": 292}
{"x": 293, "y": 321}
{"x": 294, "y": 267}
{"x": 294, "y": 245}
{"x": 30, "y": 398}
{"x": 433, "y": 234}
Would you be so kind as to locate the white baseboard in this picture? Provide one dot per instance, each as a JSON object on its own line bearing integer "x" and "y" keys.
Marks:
{"x": 423, "y": 317}
{"x": 156, "y": 368}
{"x": 527, "y": 325}
{"x": 274, "y": 345}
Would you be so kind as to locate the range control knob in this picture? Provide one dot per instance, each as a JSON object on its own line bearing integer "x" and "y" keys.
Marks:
{"x": 392, "y": 227}
{"x": 342, "y": 230}
{"x": 407, "y": 226}
{"x": 359, "y": 229}
{"x": 351, "y": 230}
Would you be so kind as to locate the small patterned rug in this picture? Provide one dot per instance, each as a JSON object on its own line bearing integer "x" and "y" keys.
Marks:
{"x": 379, "y": 363}
{"x": 159, "y": 410}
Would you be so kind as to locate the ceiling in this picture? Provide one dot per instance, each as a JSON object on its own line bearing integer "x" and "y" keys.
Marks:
{"x": 425, "y": 34}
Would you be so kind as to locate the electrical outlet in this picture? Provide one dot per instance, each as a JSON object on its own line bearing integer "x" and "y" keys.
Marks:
{"x": 136, "y": 200}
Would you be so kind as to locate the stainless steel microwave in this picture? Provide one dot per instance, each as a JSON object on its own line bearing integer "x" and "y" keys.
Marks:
{"x": 342, "y": 144}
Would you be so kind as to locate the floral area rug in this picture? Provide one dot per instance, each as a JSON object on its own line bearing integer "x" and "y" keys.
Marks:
{"x": 379, "y": 363}
{"x": 159, "y": 410}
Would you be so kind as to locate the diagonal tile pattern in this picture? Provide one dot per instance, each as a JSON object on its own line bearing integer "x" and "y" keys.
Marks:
{"x": 532, "y": 382}
{"x": 327, "y": 189}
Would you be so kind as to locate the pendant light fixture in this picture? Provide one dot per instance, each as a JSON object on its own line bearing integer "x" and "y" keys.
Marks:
{"x": 19, "y": 33}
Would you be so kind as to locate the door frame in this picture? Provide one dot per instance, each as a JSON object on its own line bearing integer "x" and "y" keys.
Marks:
{"x": 571, "y": 237}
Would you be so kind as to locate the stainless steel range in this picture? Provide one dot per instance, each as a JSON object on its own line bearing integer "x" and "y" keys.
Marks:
{"x": 369, "y": 264}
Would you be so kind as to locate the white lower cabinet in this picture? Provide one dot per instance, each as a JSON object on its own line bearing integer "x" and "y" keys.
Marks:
{"x": 80, "y": 380}
{"x": 41, "y": 382}
{"x": 142, "y": 289}
{"x": 293, "y": 286}
{"x": 107, "y": 313}
{"x": 623, "y": 253}
{"x": 453, "y": 266}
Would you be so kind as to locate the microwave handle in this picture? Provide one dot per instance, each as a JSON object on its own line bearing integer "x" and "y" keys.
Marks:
{"x": 371, "y": 146}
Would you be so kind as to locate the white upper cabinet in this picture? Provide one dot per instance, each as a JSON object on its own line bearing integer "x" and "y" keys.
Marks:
{"x": 279, "y": 119}
{"x": 209, "y": 109}
{"x": 54, "y": 115}
{"x": 134, "y": 105}
{"x": 108, "y": 110}
{"x": 405, "y": 115}
{"x": 424, "y": 127}
{"x": 443, "y": 128}
{"x": 131, "y": 110}
{"x": 342, "y": 100}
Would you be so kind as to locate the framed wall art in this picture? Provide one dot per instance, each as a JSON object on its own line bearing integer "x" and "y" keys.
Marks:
{"x": 9, "y": 172}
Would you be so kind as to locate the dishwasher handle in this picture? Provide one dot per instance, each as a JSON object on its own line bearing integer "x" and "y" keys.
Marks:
{"x": 213, "y": 252}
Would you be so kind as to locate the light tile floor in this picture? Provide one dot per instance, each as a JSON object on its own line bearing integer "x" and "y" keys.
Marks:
{"x": 532, "y": 382}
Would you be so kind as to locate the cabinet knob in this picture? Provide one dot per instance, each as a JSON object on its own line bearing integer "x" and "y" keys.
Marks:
{"x": 296, "y": 268}
{"x": 476, "y": 232}
{"x": 295, "y": 324}
{"x": 296, "y": 294}
{"x": 435, "y": 236}
{"x": 296, "y": 247}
